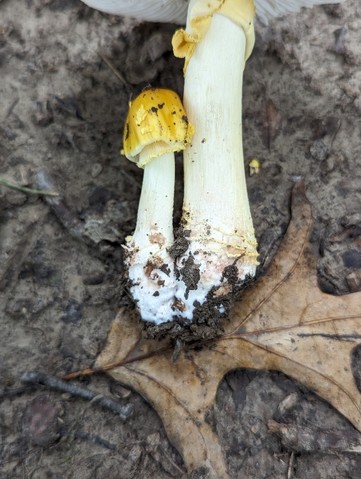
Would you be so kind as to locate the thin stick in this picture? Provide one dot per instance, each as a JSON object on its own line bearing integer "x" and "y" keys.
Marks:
{"x": 56, "y": 384}
{"x": 10, "y": 393}
{"x": 84, "y": 436}
{"x": 290, "y": 465}
{"x": 115, "y": 364}
{"x": 114, "y": 70}
{"x": 29, "y": 191}
{"x": 70, "y": 222}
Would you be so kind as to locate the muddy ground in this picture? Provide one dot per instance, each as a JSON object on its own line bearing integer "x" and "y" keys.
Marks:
{"x": 61, "y": 110}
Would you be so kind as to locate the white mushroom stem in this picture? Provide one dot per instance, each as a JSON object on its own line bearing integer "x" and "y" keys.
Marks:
{"x": 151, "y": 269}
{"x": 216, "y": 208}
{"x": 155, "y": 210}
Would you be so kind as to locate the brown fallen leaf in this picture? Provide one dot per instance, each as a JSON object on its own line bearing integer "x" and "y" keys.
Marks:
{"x": 284, "y": 322}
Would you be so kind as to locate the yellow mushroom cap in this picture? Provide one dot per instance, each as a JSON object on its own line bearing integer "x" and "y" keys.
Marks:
{"x": 156, "y": 124}
{"x": 200, "y": 12}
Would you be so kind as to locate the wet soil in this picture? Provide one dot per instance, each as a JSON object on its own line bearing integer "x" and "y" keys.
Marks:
{"x": 62, "y": 110}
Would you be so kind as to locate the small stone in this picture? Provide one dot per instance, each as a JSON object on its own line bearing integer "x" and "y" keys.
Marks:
{"x": 354, "y": 281}
{"x": 43, "y": 114}
{"x": 352, "y": 259}
{"x": 119, "y": 390}
{"x": 153, "y": 441}
{"x": 289, "y": 402}
{"x": 73, "y": 312}
{"x": 96, "y": 169}
{"x": 40, "y": 421}
{"x": 22, "y": 173}
{"x": 340, "y": 37}
{"x": 319, "y": 151}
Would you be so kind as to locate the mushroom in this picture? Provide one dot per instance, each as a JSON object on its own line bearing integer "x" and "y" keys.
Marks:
{"x": 218, "y": 39}
{"x": 222, "y": 248}
{"x": 156, "y": 127}
{"x": 175, "y": 11}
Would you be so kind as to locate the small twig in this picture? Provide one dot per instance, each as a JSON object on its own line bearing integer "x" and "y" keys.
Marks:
{"x": 10, "y": 393}
{"x": 171, "y": 462}
{"x": 56, "y": 384}
{"x": 11, "y": 107}
{"x": 335, "y": 133}
{"x": 60, "y": 209}
{"x": 114, "y": 70}
{"x": 84, "y": 436}
{"x": 115, "y": 364}
{"x": 24, "y": 189}
{"x": 290, "y": 465}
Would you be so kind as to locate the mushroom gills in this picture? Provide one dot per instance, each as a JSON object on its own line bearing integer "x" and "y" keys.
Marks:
{"x": 172, "y": 11}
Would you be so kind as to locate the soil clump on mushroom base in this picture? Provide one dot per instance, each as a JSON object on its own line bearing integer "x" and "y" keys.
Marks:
{"x": 208, "y": 318}
{"x": 62, "y": 108}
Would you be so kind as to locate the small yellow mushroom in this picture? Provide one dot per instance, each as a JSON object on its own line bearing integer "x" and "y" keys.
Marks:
{"x": 156, "y": 124}
{"x": 156, "y": 127}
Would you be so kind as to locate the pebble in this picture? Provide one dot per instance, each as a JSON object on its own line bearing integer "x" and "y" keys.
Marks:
{"x": 352, "y": 259}
{"x": 319, "y": 151}
{"x": 354, "y": 281}
{"x": 96, "y": 169}
{"x": 73, "y": 312}
{"x": 119, "y": 391}
{"x": 40, "y": 422}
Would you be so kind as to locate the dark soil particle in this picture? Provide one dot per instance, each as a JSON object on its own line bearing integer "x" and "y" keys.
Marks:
{"x": 189, "y": 274}
{"x": 179, "y": 247}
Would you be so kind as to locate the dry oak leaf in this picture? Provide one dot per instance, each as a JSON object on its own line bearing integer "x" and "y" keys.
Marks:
{"x": 284, "y": 322}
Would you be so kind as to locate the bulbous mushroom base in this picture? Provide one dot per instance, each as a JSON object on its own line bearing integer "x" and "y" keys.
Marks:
{"x": 186, "y": 290}
{"x": 152, "y": 282}
{"x": 209, "y": 277}
{"x": 208, "y": 306}
{"x": 207, "y": 284}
